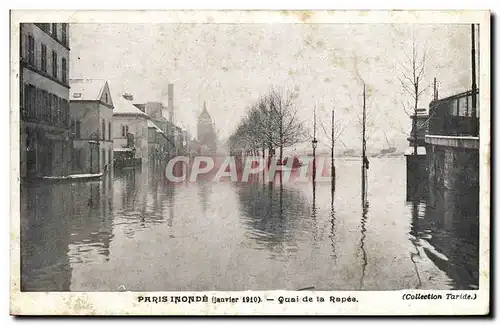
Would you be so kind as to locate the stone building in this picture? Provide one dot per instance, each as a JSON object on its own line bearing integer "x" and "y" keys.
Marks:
{"x": 91, "y": 111}
{"x": 45, "y": 144}
{"x": 130, "y": 130}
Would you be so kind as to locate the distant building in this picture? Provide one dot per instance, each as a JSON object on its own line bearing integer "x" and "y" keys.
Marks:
{"x": 156, "y": 112}
{"x": 156, "y": 142}
{"x": 174, "y": 142}
{"x": 91, "y": 110}
{"x": 206, "y": 132}
{"x": 45, "y": 144}
{"x": 130, "y": 131}
{"x": 194, "y": 147}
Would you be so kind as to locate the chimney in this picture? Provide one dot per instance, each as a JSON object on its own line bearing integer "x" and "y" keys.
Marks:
{"x": 128, "y": 96}
{"x": 171, "y": 102}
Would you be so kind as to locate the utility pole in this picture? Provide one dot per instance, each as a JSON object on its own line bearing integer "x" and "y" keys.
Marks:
{"x": 435, "y": 89}
{"x": 474, "y": 124}
{"x": 314, "y": 144}
{"x": 333, "y": 150}
{"x": 414, "y": 122}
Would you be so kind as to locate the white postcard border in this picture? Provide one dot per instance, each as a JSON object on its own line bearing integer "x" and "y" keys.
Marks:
{"x": 367, "y": 302}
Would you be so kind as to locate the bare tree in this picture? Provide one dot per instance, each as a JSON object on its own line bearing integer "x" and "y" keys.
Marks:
{"x": 271, "y": 122}
{"x": 411, "y": 78}
{"x": 334, "y": 132}
{"x": 285, "y": 124}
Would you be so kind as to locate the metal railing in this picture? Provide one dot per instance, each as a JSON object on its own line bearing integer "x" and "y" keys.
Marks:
{"x": 455, "y": 115}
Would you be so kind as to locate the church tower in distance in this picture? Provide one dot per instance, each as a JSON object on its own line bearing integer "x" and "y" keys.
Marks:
{"x": 206, "y": 132}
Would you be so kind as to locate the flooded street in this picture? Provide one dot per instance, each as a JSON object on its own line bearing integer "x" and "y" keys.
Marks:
{"x": 134, "y": 232}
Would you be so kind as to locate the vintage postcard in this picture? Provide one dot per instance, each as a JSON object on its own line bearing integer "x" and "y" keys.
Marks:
{"x": 250, "y": 163}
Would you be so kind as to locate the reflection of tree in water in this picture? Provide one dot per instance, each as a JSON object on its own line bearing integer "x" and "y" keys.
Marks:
{"x": 332, "y": 221}
{"x": 314, "y": 214}
{"x": 273, "y": 214}
{"x": 142, "y": 199}
{"x": 364, "y": 256}
{"x": 205, "y": 190}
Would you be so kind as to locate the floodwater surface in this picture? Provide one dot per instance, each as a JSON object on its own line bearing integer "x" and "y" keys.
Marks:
{"x": 134, "y": 231}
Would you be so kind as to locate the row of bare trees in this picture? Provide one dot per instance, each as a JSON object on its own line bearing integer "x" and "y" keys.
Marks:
{"x": 271, "y": 123}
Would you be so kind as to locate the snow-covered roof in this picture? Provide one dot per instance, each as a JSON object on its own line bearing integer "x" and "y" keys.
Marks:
{"x": 86, "y": 89}
{"x": 151, "y": 124}
{"x": 125, "y": 107}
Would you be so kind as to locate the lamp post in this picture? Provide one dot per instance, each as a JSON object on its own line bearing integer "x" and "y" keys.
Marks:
{"x": 314, "y": 145}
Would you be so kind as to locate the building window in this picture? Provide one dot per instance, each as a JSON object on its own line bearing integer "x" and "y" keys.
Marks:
{"x": 65, "y": 34}
{"x": 103, "y": 134}
{"x": 30, "y": 50}
{"x": 124, "y": 130}
{"x": 54, "y": 64}
{"x": 61, "y": 116}
{"x": 76, "y": 130}
{"x": 39, "y": 102}
{"x": 64, "y": 70}
{"x": 463, "y": 107}
{"x": 47, "y": 103}
{"x": 44, "y": 58}
{"x": 48, "y": 108}
{"x": 66, "y": 112}
{"x": 54, "y": 30}
{"x": 53, "y": 108}
{"x": 109, "y": 130}
{"x": 30, "y": 100}
{"x": 45, "y": 27}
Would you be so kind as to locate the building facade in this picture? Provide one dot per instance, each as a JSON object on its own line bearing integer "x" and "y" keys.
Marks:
{"x": 45, "y": 143}
{"x": 91, "y": 111}
{"x": 206, "y": 132}
{"x": 130, "y": 131}
{"x": 156, "y": 143}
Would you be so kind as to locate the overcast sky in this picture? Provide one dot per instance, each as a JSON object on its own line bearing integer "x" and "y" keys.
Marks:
{"x": 230, "y": 65}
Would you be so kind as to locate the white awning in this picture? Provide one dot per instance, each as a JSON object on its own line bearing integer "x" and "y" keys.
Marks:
{"x": 122, "y": 149}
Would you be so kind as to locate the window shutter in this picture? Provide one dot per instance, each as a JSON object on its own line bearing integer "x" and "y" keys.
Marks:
{"x": 22, "y": 44}
{"x": 35, "y": 55}
{"x": 26, "y": 48}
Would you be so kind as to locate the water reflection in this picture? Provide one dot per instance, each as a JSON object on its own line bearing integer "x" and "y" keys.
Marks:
{"x": 273, "y": 214}
{"x": 332, "y": 222}
{"x": 445, "y": 230}
{"x": 364, "y": 257}
{"x": 314, "y": 212}
{"x": 204, "y": 193}
{"x": 142, "y": 195}
{"x": 105, "y": 235}
{"x": 63, "y": 224}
